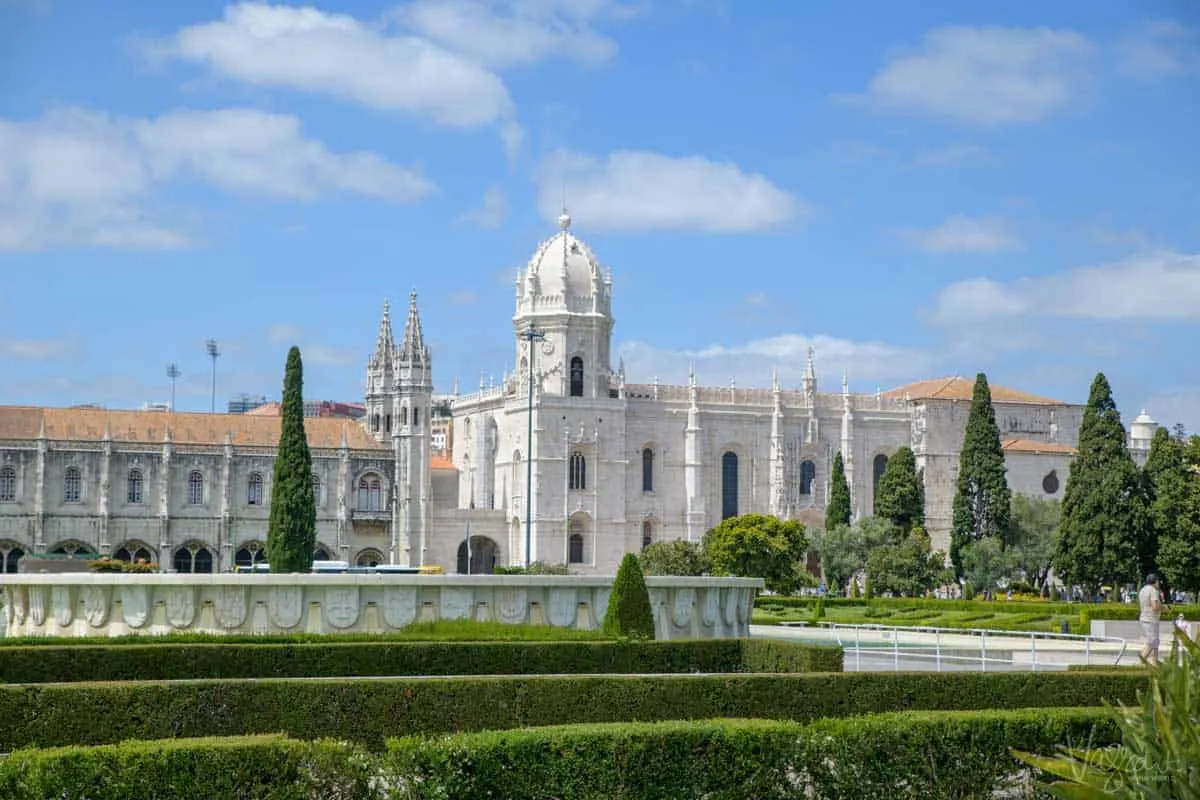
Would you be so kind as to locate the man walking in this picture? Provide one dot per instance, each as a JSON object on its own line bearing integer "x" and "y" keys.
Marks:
{"x": 1150, "y": 606}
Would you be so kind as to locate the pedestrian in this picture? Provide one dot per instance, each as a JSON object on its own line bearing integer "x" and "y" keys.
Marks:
{"x": 1150, "y": 605}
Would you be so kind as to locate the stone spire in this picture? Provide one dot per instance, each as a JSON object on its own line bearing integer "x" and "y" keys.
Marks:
{"x": 412, "y": 348}
{"x": 810, "y": 374}
{"x": 385, "y": 345}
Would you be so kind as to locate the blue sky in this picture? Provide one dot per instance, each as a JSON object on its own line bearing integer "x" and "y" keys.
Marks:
{"x": 915, "y": 188}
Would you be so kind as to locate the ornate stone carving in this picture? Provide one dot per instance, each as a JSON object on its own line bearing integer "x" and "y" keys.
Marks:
{"x": 19, "y": 604}
{"x": 744, "y": 601}
{"x": 511, "y": 605}
{"x": 95, "y": 605}
{"x": 230, "y": 606}
{"x": 562, "y": 607}
{"x": 60, "y": 601}
{"x": 456, "y": 603}
{"x": 135, "y": 605}
{"x": 710, "y": 609}
{"x": 341, "y": 606}
{"x": 181, "y": 606}
{"x": 286, "y": 605}
{"x": 37, "y": 604}
{"x": 399, "y": 606}
{"x": 681, "y": 608}
{"x": 600, "y": 603}
{"x": 731, "y": 601}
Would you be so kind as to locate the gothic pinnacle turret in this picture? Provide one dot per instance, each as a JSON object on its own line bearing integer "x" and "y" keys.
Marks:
{"x": 385, "y": 345}
{"x": 412, "y": 348}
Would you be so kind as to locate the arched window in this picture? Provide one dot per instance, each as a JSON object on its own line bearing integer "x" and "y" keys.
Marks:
{"x": 369, "y": 557}
{"x": 72, "y": 485}
{"x": 479, "y": 557}
{"x": 578, "y": 476}
{"x": 877, "y": 468}
{"x": 647, "y": 534}
{"x": 576, "y": 377}
{"x": 8, "y": 485}
{"x": 133, "y": 552}
{"x": 316, "y": 482}
{"x": 322, "y": 553}
{"x": 575, "y": 542}
{"x": 403, "y": 415}
{"x": 254, "y": 489}
{"x": 808, "y": 473}
{"x": 10, "y": 554}
{"x": 194, "y": 557}
{"x": 370, "y": 493}
{"x": 416, "y": 417}
{"x": 249, "y": 554}
{"x": 195, "y": 488}
{"x": 387, "y": 423}
{"x": 729, "y": 485}
{"x": 72, "y": 548}
{"x": 135, "y": 487}
{"x": 647, "y": 470}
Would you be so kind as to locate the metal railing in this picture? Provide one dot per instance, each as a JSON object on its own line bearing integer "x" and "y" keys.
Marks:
{"x": 946, "y": 646}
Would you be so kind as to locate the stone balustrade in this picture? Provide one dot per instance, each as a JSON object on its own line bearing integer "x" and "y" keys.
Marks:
{"x": 116, "y": 604}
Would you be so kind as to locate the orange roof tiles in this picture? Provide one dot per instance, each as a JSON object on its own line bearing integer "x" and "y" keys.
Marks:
{"x": 150, "y": 427}
{"x": 959, "y": 388}
{"x": 1031, "y": 446}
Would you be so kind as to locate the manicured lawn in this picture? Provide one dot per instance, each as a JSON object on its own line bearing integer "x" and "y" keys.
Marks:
{"x": 995, "y": 617}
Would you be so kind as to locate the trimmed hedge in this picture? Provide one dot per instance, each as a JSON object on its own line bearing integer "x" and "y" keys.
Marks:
{"x": 161, "y": 661}
{"x": 263, "y": 767}
{"x": 370, "y": 710}
{"x": 886, "y": 756}
{"x": 917, "y": 755}
{"x": 1113, "y": 611}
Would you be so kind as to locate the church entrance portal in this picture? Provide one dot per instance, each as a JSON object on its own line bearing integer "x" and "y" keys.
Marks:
{"x": 481, "y": 559}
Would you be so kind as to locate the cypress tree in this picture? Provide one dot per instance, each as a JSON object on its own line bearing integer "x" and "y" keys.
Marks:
{"x": 629, "y": 613}
{"x": 1173, "y": 522}
{"x": 1101, "y": 513}
{"x": 901, "y": 498}
{"x": 292, "y": 530}
{"x": 837, "y": 509}
{"x": 982, "y": 499}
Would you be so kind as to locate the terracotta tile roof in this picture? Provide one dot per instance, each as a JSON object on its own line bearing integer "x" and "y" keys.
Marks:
{"x": 149, "y": 427}
{"x": 959, "y": 388}
{"x": 267, "y": 410}
{"x": 1031, "y": 446}
{"x": 441, "y": 462}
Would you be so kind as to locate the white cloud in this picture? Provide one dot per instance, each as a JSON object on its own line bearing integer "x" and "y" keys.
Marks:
{"x": 518, "y": 33}
{"x": 751, "y": 363}
{"x": 1160, "y": 48}
{"x": 964, "y": 235}
{"x": 332, "y": 356}
{"x": 637, "y": 190}
{"x": 985, "y": 75}
{"x": 79, "y": 178}
{"x": 284, "y": 333}
{"x": 39, "y": 349}
{"x": 1154, "y": 287}
{"x": 336, "y": 54}
{"x": 491, "y": 214}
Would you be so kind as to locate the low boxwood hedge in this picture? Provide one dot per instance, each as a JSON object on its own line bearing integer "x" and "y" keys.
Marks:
{"x": 168, "y": 661}
{"x": 369, "y": 710}
{"x": 1114, "y": 611}
{"x": 923, "y": 754}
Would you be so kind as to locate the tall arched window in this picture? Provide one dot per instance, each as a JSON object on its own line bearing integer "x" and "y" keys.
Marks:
{"x": 578, "y": 476}
{"x": 576, "y": 377}
{"x": 72, "y": 485}
{"x": 134, "y": 552}
{"x": 403, "y": 415}
{"x": 8, "y": 485}
{"x": 316, "y": 482}
{"x": 647, "y": 470}
{"x": 135, "y": 487}
{"x": 196, "y": 557}
{"x": 249, "y": 554}
{"x": 647, "y": 534}
{"x": 10, "y": 553}
{"x": 877, "y": 468}
{"x": 370, "y": 493}
{"x": 195, "y": 489}
{"x": 808, "y": 473}
{"x": 254, "y": 489}
{"x": 729, "y": 485}
{"x": 416, "y": 417}
{"x": 575, "y": 542}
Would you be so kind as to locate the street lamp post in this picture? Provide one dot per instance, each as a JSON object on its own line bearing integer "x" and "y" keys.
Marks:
{"x": 531, "y": 335}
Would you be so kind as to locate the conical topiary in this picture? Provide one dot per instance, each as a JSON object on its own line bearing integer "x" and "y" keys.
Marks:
{"x": 629, "y": 614}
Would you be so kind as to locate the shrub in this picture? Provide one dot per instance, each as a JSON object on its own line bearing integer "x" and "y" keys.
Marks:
{"x": 629, "y": 613}
{"x": 142, "y": 566}
{"x": 536, "y": 568}
{"x": 106, "y": 564}
{"x": 819, "y": 610}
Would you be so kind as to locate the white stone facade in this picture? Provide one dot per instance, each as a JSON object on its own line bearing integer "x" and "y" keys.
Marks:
{"x": 610, "y": 465}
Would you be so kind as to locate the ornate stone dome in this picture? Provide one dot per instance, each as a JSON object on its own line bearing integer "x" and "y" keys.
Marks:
{"x": 563, "y": 266}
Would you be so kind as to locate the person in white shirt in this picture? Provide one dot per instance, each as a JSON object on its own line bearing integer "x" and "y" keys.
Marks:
{"x": 1150, "y": 606}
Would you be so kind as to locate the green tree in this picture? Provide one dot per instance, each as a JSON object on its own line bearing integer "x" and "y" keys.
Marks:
{"x": 1101, "y": 513}
{"x": 982, "y": 499}
{"x": 844, "y": 549}
{"x": 292, "y": 528}
{"x": 674, "y": 557}
{"x": 986, "y": 563}
{"x": 1034, "y": 536}
{"x": 906, "y": 568}
{"x": 901, "y": 497}
{"x": 759, "y": 546}
{"x": 837, "y": 509}
{"x": 629, "y": 614}
{"x": 1173, "y": 494}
